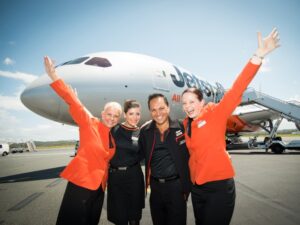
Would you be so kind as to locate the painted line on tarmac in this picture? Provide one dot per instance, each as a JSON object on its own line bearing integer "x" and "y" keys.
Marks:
{"x": 26, "y": 201}
{"x": 54, "y": 183}
{"x": 41, "y": 154}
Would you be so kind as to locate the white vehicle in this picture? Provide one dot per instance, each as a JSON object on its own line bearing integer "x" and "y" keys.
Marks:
{"x": 4, "y": 149}
{"x": 24, "y": 147}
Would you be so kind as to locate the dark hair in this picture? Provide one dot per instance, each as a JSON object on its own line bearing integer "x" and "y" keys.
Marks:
{"x": 195, "y": 91}
{"x": 128, "y": 104}
{"x": 157, "y": 95}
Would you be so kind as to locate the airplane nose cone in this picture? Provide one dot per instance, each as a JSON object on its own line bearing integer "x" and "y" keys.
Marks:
{"x": 41, "y": 99}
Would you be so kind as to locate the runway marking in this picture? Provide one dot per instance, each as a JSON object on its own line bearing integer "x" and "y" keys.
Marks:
{"x": 16, "y": 180}
{"x": 26, "y": 201}
{"x": 54, "y": 183}
{"x": 41, "y": 154}
{"x": 268, "y": 201}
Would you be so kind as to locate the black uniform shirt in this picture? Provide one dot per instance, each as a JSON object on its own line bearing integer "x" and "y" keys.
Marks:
{"x": 162, "y": 164}
{"x": 127, "y": 152}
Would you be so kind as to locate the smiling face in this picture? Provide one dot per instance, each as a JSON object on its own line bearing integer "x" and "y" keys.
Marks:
{"x": 132, "y": 116}
{"x": 159, "y": 111}
{"x": 110, "y": 116}
{"x": 191, "y": 105}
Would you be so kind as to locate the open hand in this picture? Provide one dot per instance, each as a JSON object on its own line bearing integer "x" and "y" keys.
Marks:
{"x": 50, "y": 69}
{"x": 268, "y": 44}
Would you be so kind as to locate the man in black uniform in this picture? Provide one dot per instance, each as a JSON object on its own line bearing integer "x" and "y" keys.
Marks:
{"x": 166, "y": 161}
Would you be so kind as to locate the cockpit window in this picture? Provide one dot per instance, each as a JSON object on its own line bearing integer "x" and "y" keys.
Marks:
{"x": 75, "y": 61}
{"x": 97, "y": 61}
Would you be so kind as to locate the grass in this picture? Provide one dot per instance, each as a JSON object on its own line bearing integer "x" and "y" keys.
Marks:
{"x": 68, "y": 146}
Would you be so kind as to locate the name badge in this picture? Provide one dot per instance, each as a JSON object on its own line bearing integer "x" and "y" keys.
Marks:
{"x": 201, "y": 123}
{"x": 178, "y": 133}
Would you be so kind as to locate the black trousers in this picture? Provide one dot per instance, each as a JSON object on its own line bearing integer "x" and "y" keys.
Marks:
{"x": 80, "y": 206}
{"x": 167, "y": 203}
{"x": 125, "y": 195}
{"x": 213, "y": 202}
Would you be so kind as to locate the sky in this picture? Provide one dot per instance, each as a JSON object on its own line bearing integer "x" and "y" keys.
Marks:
{"x": 212, "y": 39}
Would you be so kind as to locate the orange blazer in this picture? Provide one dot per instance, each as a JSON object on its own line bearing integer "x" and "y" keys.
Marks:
{"x": 209, "y": 160}
{"x": 89, "y": 168}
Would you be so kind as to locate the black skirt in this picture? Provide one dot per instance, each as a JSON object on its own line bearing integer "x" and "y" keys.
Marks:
{"x": 125, "y": 194}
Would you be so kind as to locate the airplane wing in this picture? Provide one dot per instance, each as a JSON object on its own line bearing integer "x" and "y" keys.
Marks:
{"x": 251, "y": 118}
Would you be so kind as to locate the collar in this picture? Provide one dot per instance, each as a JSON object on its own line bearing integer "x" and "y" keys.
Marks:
{"x": 173, "y": 124}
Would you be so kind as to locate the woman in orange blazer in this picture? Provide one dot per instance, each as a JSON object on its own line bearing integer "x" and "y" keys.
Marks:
{"x": 213, "y": 192}
{"x": 87, "y": 172}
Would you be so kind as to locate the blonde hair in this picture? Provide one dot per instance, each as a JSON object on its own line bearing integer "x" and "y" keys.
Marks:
{"x": 115, "y": 105}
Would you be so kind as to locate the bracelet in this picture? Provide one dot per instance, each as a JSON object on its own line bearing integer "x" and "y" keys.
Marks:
{"x": 260, "y": 57}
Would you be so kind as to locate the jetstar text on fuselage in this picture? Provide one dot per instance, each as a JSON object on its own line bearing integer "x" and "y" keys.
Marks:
{"x": 190, "y": 80}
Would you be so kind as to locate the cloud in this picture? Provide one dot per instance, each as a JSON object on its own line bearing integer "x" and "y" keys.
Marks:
{"x": 265, "y": 67}
{"x": 294, "y": 98}
{"x": 17, "y": 131}
{"x": 287, "y": 125}
{"x": 8, "y": 61}
{"x": 11, "y": 103}
{"x": 25, "y": 77}
{"x": 7, "y": 118}
{"x": 19, "y": 90}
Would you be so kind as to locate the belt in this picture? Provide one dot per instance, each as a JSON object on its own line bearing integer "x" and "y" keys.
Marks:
{"x": 120, "y": 168}
{"x": 216, "y": 184}
{"x": 165, "y": 180}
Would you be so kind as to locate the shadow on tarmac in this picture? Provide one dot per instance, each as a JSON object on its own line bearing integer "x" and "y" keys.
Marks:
{"x": 34, "y": 175}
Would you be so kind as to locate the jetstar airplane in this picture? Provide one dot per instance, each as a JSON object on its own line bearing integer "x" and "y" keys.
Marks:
{"x": 117, "y": 76}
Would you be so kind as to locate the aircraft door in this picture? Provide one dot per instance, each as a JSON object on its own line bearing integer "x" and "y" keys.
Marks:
{"x": 160, "y": 81}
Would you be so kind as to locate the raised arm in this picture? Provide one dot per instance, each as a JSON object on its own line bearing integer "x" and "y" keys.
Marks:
{"x": 265, "y": 46}
{"x": 233, "y": 96}
{"x": 78, "y": 112}
{"x": 49, "y": 68}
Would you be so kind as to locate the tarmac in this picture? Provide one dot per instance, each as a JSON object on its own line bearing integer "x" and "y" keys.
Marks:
{"x": 268, "y": 188}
